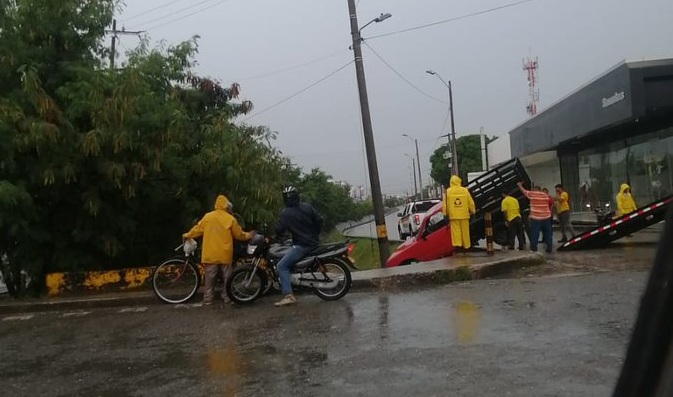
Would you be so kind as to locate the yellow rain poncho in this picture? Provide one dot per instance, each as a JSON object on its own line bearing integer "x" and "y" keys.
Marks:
{"x": 219, "y": 229}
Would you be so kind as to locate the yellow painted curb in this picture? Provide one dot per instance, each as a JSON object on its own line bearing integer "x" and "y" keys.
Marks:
{"x": 58, "y": 283}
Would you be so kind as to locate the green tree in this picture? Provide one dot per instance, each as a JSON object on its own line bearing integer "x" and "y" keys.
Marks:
{"x": 468, "y": 149}
{"x": 104, "y": 168}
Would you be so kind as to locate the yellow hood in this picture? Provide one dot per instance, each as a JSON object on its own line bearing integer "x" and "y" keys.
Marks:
{"x": 221, "y": 202}
{"x": 623, "y": 188}
{"x": 455, "y": 181}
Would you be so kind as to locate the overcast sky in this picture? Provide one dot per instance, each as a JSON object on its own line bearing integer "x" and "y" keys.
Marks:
{"x": 276, "y": 48}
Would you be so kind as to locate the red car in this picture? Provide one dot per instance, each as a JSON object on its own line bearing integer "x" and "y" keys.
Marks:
{"x": 433, "y": 241}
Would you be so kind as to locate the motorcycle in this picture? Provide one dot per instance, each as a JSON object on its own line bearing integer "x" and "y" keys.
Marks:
{"x": 324, "y": 271}
{"x": 604, "y": 214}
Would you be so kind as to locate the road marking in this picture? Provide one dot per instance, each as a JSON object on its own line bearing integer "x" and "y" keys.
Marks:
{"x": 574, "y": 274}
{"x": 20, "y": 318}
{"x": 75, "y": 314}
{"x": 187, "y": 305}
{"x": 141, "y": 309}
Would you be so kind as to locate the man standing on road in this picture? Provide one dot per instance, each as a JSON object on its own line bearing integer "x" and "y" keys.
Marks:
{"x": 540, "y": 216}
{"x": 219, "y": 229}
{"x": 511, "y": 209}
{"x": 458, "y": 205}
{"x": 304, "y": 223}
{"x": 563, "y": 213}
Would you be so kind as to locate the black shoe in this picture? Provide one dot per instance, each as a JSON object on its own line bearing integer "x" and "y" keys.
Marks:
{"x": 563, "y": 241}
{"x": 521, "y": 248}
{"x": 549, "y": 251}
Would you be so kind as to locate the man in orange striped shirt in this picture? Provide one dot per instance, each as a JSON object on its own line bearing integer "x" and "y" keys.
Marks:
{"x": 540, "y": 216}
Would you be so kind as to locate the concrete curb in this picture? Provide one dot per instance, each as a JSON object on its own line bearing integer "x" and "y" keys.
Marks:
{"x": 437, "y": 275}
{"x": 439, "y": 272}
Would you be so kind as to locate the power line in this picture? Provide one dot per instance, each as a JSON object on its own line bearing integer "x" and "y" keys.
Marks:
{"x": 453, "y": 19}
{"x": 279, "y": 71}
{"x": 191, "y": 7}
{"x": 150, "y": 10}
{"x": 404, "y": 78}
{"x": 300, "y": 91}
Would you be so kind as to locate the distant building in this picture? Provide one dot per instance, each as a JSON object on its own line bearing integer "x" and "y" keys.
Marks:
{"x": 616, "y": 129}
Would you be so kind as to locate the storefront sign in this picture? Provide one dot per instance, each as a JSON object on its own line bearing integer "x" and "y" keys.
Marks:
{"x": 617, "y": 97}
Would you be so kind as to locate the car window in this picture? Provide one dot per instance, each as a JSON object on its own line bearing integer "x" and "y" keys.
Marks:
{"x": 424, "y": 206}
{"x": 436, "y": 222}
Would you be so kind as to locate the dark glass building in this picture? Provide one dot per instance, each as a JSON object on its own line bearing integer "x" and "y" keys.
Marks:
{"x": 616, "y": 129}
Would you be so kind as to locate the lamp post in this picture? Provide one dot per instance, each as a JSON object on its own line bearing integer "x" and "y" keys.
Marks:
{"x": 418, "y": 163}
{"x": 379, "y": 216}
{"x": 413, "y": 169}
{"x": 452, "y": 141}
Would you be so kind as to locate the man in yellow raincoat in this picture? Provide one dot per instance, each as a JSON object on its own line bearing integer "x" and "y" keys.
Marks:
{"x": 458, "y": 205}
{"x": 219, "y": 229}
{"x": 625, "y": 202}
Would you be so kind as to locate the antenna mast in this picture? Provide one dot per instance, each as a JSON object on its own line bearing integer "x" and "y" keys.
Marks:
{"x": 530, "y": 66}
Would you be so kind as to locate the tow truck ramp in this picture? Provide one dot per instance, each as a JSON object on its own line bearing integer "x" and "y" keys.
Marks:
{"x": 620, "y": 227}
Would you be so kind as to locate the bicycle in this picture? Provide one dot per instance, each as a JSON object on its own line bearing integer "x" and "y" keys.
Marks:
{"x": 177, "y": 280}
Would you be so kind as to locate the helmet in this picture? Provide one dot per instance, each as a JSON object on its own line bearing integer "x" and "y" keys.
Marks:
{"x": 291, "y": 196}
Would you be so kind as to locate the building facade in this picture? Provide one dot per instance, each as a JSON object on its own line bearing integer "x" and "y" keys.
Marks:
{"x": 616, "y": 129}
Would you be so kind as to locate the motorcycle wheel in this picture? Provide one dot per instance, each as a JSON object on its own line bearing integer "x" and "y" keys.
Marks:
{"x": 334, "y": 270}
{"x": 246, "y": 284}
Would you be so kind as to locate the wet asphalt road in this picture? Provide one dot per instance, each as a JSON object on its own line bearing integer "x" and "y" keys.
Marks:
{"x": 535, "y": 336}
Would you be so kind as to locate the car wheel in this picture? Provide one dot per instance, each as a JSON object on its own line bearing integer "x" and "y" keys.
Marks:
{"x": 402, "y": 235}
{"x": 500, "y": 235}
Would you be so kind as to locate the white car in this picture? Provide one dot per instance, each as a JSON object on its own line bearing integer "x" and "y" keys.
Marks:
{"x": 412, "y": 216}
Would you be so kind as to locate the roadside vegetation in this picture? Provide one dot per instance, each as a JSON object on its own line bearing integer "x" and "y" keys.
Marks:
{"x": 365, "y": 250}
{"x": 104, "y": 167}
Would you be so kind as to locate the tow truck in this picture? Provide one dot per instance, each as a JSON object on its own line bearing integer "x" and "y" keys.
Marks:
{"x": 625, "y": 225}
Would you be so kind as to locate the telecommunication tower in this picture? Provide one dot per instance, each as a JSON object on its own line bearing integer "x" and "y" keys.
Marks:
{"x": 530, "y": 67}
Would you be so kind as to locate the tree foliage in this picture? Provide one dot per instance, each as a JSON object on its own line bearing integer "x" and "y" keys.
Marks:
{"x": 103, "y": 168}
{"x": 331, "y": 199}
{"x": 468, "y": 149}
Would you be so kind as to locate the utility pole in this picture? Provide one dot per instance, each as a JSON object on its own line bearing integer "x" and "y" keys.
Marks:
{"x": 379, "y": 216}
{"x": 454, "y": 153}
{"x": 113, "y": 45}
{"x": 418, "y": 162}
{"x": 413, "y": 171}
{"x": 413, "y": 166}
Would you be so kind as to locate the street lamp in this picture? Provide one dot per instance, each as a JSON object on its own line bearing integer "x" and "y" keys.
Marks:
{"x": 452, "y": 141}
{"x": 379, "y": 215}
{"x": 413, "y": 169}
{"x": 418, "y": 162}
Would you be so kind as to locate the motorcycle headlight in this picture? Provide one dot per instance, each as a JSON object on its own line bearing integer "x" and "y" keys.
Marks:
{"x": 251, "y": 249}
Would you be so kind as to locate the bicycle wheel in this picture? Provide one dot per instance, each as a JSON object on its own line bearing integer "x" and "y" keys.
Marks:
{"x": 176, "y": 280}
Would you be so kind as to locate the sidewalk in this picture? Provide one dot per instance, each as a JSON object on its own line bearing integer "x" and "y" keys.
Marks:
{"x": 457, "y": 268}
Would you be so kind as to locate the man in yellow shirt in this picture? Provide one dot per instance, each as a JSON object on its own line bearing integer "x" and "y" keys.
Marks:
{"x": 563, "y": 213}
{"x": 512, "y": 213}
{"x": 458, "y": 205}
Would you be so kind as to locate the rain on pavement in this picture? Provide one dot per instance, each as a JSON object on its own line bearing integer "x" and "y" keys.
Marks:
{"x": 555, "y": 335}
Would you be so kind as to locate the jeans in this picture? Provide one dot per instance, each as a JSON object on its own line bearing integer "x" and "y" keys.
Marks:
{"x": 543, "y": 225}
{"x": 286, "y": 263}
